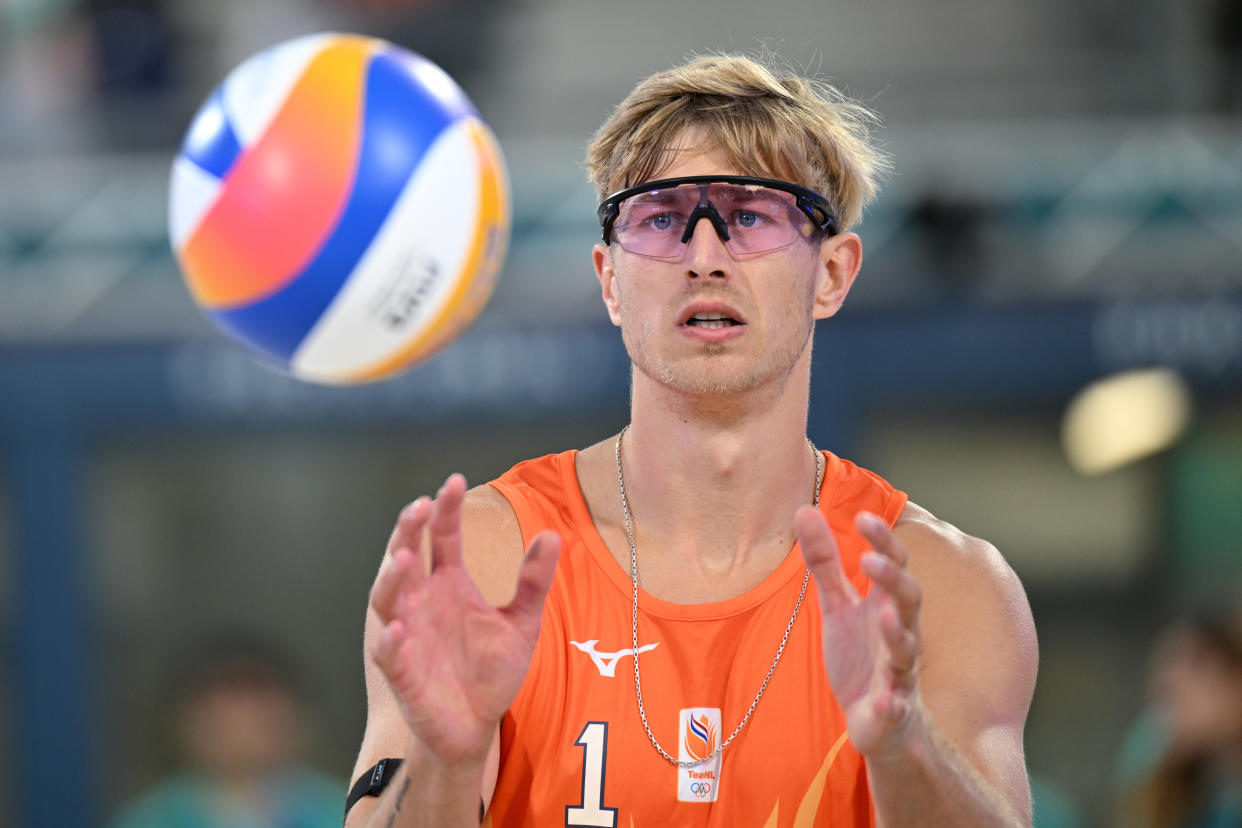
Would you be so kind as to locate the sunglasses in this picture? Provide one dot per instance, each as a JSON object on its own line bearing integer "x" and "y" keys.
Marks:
{"x": 750, "y": 215}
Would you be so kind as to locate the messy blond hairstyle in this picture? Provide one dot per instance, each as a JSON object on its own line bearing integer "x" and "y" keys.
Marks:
{"x": 766, "y": 123}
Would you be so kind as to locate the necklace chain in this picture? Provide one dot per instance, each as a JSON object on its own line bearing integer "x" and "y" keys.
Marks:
{"x": 638, "y": 686}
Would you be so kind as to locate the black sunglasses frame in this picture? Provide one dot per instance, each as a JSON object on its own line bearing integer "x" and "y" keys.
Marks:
{"x": 816, "y": 207}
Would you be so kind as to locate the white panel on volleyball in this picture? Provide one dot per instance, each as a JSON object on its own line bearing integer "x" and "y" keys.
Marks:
{"x": 410, "y": 269}
{"x": 254, "y": 92}
{"x": 192, "y": 192}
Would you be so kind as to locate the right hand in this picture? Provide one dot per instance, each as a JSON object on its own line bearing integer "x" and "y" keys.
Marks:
{"x": 454, "y": 662}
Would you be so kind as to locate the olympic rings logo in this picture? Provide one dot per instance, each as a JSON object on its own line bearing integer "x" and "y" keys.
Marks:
{"x": 700, "y": 789}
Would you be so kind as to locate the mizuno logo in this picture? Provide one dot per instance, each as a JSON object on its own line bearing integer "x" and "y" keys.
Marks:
{"x": 606, "y": 663}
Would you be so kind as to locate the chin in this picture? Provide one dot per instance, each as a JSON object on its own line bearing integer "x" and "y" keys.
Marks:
{"x": 714, "y": 379}
{"x": 715, "y": 369}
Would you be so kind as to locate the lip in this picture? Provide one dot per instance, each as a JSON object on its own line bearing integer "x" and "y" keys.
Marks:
{"x": 711, "y": 334}
{"x": 709, "y": 307}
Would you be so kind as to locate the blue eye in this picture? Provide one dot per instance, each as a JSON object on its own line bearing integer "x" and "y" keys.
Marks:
{"x": 746, "y": 218}
{"x": 661, "y": 222}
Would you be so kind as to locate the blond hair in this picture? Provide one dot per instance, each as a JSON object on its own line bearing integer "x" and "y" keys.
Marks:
{"x": 779, "y": 125}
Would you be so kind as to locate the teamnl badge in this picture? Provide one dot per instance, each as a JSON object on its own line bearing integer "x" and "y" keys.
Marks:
{"x": 699, "y": 738}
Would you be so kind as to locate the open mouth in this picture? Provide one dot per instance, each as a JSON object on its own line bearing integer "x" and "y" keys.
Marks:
{"x": 712, "y": 320}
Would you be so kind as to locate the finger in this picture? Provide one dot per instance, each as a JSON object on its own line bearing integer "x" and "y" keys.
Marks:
{"x": 892, "y": 707}
{"x": 408, "y": 534}
{"x": 819, "y": 550}
{"x": 898, "y": 584}
{"x": 384, "y": 651}
{"x": 534, "y": 580}
{"x": 446, "y": 523}
{"x": 902, "y": 642}
{"x": 400, "y": 572}
{"x": 880, "y": 536}
{"x": 410, "y": 524}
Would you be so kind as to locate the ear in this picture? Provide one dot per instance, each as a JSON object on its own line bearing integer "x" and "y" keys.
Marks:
{"x": 840, "y": 257}
{"x": 601, "y": 256}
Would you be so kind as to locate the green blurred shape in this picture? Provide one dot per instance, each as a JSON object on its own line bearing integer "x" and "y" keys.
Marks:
{"x": 1052, "y": 808}
{"x": 1205, "y": 498}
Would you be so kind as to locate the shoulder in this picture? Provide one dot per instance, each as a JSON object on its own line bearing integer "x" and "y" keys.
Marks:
{"x": 944, "y": 557}
{"x": 974, "y": 607}
{"x": 492, "y": 545}
{"x": 945, "y": 560}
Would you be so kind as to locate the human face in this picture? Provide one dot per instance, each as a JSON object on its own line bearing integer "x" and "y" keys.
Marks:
{"x": 769, "y": 299}
{"x": 240, "y": 730}
{"x": 1200, "y": 692}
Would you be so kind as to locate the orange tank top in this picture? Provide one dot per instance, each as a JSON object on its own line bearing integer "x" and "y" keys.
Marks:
{"x": 573, "y": 751}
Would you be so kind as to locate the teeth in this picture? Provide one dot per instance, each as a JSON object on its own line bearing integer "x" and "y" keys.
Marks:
{"x": 714, "y": 323}
{"x": 707, "y": 317}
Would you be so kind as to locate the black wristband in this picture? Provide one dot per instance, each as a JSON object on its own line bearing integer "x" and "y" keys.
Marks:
{"x": 373, "y": 782}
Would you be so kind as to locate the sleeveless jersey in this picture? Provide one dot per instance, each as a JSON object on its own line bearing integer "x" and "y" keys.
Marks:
{"x": 573, "y": 751}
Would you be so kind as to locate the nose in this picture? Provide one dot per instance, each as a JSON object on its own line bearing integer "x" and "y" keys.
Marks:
{"x": 706, "y": 254}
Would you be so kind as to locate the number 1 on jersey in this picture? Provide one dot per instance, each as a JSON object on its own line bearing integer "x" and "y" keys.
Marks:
{"x": 592, "y": 813}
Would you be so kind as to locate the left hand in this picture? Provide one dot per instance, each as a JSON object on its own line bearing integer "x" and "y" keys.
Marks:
{"x": 871, "y": 645}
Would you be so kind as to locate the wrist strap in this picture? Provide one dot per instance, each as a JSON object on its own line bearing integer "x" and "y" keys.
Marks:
{"x": 373, "y": 782}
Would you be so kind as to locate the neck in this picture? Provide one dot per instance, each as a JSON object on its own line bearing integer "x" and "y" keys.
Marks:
{"x": 712, "y": 480}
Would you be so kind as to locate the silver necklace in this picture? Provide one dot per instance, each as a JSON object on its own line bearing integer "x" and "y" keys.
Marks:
{"x": 638, "y": 685}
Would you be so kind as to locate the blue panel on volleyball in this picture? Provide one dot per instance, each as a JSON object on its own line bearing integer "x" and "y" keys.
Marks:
{"x": 211, "y": 142}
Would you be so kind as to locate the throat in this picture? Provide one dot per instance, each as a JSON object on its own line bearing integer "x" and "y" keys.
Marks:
{"x": 702, "y": 575}
{"x": 712, "y": 526}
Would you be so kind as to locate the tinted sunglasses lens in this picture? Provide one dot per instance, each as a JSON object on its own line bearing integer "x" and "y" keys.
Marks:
{"x": 652, "y": 223}
{"x": 759, "y": 218}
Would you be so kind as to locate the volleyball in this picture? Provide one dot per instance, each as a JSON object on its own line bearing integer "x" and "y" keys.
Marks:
{"x": 339, "y": 206}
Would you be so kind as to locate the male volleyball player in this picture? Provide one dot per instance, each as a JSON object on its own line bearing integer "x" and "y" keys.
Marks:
{"x": 655, "y": 656}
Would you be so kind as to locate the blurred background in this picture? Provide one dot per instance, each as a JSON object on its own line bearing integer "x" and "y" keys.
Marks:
{"x": 1066, "y": 210}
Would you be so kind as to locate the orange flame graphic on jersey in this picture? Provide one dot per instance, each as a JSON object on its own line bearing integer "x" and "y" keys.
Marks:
{"x": 701, "y": 738}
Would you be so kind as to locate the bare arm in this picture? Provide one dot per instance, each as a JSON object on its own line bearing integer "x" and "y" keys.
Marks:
{"x": 976, "y": 675}
{"x": 941, "y": 673}
{"x": 446, "y": 651}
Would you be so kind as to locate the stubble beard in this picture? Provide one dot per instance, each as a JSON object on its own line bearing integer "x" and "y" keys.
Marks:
{"x": 709, "y": 374}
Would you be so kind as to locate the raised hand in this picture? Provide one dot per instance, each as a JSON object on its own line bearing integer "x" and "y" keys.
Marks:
{"x": 871, "y": 645}
{"x": 454, "y": 662}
